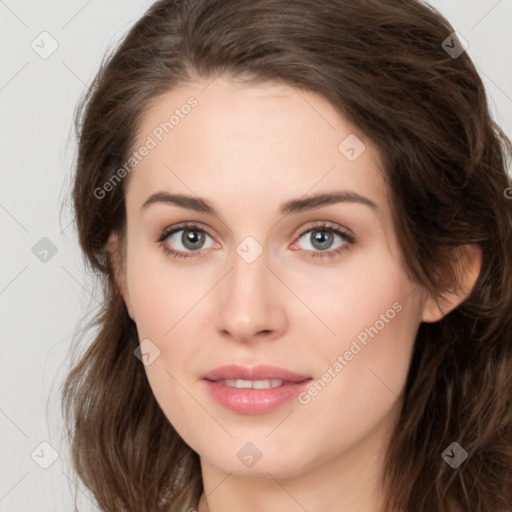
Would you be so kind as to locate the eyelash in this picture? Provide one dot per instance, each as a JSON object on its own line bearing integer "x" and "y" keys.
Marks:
{"x": 323, "y": 226}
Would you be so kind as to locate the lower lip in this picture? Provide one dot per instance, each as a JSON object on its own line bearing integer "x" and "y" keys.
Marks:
{"x": 254, "y": 401}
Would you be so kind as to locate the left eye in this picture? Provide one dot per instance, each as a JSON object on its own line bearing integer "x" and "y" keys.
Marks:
{"x": 321, "y": 238}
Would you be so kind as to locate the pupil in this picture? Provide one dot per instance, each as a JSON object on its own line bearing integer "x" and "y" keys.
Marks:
{"x": 192, "y": 238}
{"x": 323, "y": 238}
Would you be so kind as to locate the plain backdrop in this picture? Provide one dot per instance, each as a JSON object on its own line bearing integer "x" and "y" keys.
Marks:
{"x": 44, "y": 289}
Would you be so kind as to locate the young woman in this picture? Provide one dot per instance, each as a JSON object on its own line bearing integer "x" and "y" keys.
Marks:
{"x": 300, "y": 213}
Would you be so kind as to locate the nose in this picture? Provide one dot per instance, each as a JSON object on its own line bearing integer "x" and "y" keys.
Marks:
{"x": 251, "y": 301}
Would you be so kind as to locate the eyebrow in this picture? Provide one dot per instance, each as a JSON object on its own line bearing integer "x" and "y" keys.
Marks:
{"x": 199, "y": 204}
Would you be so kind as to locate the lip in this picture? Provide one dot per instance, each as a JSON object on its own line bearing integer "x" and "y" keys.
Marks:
{"x": 260, "y": 372}
{"x": 254, "y": 401}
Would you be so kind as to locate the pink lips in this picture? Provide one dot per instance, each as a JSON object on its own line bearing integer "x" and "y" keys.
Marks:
{"x": 261, "y": 372}
{"x": 249, "y": 400}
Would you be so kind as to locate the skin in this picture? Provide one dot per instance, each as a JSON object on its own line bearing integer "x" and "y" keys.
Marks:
{"x": 247, "y": 149}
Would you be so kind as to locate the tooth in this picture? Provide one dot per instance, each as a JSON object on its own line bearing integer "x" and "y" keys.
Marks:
{"x": 251, "y": 384}
{"x": 261, "y": 384}
{"x": 243, "y": 384}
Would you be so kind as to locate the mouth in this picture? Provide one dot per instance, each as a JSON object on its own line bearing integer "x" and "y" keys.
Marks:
{"x": 260, "y": 373}
{"x": 258, "y": 390}
{"x": 253, "y": 384}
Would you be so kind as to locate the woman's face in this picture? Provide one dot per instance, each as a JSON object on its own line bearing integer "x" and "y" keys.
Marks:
{"x": 314, "y": 288}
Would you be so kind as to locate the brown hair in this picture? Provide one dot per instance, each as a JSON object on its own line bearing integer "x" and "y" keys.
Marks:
{"x": 382, "y": 65}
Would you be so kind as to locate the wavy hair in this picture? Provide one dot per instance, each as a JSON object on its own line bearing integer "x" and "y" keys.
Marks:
{"x": 382, "y": 66}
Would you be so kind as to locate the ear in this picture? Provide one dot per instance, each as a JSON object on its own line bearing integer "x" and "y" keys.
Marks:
{"x": 116, "y": 258}
{"x": 469, "y": 261}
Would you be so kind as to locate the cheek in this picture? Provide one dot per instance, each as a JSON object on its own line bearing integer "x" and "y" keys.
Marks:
{"x": 358, "y": 383}
{"x": 363, "y": 297}
{"x": 380, "y": 351}
{"x": 159, "y": 294}
{"x": 373, "y": 312}
{"x": 166, "y": 301}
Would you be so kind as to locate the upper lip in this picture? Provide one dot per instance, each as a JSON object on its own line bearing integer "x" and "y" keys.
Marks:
{"x": 260, "y": 372}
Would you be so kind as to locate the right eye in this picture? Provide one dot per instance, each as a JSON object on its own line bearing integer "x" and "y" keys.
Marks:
{"x": 191, "y": 239}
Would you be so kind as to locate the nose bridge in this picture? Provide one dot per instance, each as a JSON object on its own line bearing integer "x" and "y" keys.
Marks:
{"x": 249, "y": 278}
{"x": 247, "y": 304}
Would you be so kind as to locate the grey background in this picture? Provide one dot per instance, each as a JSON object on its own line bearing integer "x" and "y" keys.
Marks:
{"x": 42, "y": 302}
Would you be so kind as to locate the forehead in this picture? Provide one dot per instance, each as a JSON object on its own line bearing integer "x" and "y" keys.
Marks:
{"x": 226, "y": 139}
